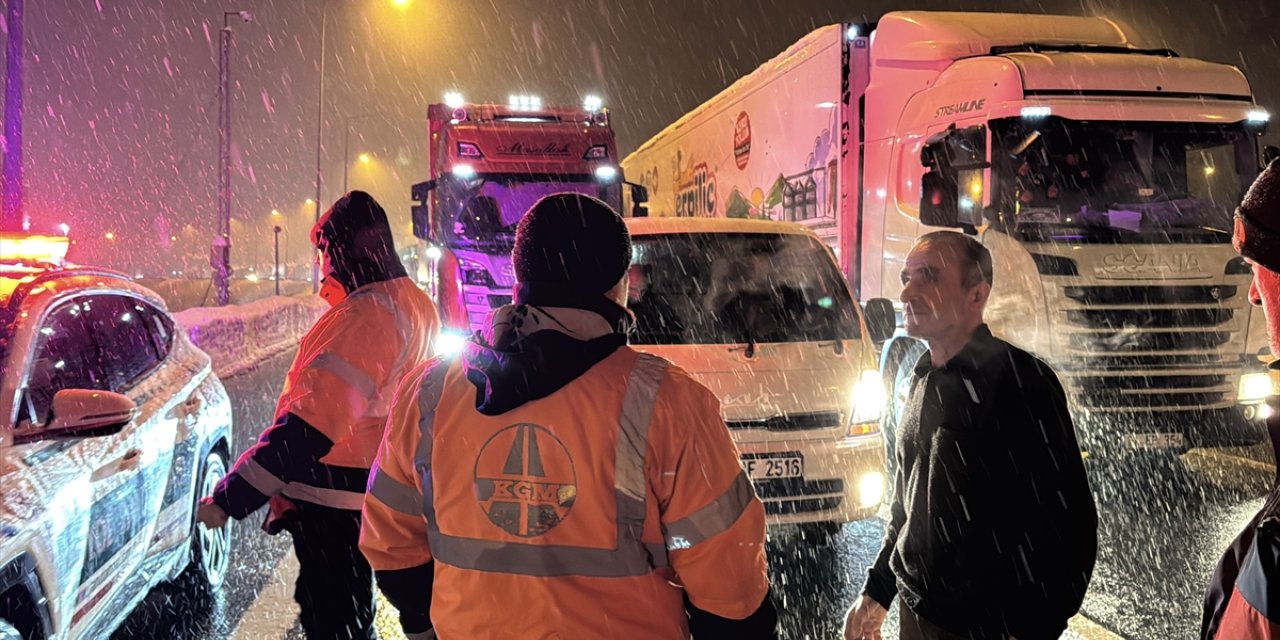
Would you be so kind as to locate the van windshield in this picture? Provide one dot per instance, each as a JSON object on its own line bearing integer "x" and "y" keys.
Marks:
{"x": 731, "y": 288}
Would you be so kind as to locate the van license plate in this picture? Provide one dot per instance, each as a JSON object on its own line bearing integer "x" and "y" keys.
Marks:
{"x": 774, "y": 467}
{"x": 1153, "y": 440}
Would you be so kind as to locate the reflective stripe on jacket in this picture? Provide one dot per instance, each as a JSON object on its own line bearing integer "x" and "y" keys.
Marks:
{"x": 336, "y": 397}
{"x": 587, "y": 510}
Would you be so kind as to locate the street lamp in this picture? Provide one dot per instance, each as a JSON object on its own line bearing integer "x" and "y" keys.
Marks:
{"x": 220, "y": 257}
{"x": 346, "y": 144}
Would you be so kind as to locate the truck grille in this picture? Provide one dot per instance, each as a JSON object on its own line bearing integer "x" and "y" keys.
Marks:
{"x": 1149, "y": 348}
{"x": 792, "y": 422}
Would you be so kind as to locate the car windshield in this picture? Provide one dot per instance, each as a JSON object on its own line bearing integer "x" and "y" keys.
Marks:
{"x": 728, "y": 288}
{"x": 1121, "y": 181}
{"x": 484, "y": 212}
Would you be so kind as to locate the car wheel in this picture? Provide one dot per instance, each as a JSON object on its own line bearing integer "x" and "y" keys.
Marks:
{"x": 9, "y": 632}
{"x": 211, "y": 548}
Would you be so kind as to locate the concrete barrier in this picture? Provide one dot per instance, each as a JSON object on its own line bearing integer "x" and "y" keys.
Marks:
{"x": 237, "y": 337}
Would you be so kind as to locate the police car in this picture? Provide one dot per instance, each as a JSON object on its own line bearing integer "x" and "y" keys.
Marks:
{"x": 112, "y": 425}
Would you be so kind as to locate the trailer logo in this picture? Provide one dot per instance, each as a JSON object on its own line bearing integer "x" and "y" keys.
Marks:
{"x": 525, "y": 481}
{"x": 522, "y": 149}
{"x": 1129, "y": 265}
{"x": 742, "y": 140}
{"x": 696, "y": 195}
{"x": 960, "y": 107}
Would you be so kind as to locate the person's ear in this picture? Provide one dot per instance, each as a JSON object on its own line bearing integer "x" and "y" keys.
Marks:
{"x": 980, "y": 293}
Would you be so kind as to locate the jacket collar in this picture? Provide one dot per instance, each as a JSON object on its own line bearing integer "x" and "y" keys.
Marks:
{"x": 969, "y": 359}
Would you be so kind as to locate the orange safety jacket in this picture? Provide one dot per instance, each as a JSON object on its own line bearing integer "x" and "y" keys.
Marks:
{"x": 591, "y": 513}
{"x": 336, "y": 396}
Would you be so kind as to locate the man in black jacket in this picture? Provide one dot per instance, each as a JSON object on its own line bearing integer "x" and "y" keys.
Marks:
{"x": 993, "y": 532}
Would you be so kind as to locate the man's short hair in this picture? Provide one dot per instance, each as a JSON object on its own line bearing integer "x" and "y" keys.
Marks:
{"x": 975, "y": 259}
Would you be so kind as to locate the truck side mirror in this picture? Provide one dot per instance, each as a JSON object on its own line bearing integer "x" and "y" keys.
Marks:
{"x": 422, "y": 190}
{"x": 881, "y": 319}
{"x": 938, "y": 201}
{"x": 639, "y": 196}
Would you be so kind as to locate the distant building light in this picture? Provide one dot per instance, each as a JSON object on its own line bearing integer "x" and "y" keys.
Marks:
{"x": 109, "y": 235}
{"x": 1037, "y": 112}
{"x": 453, "y": 100}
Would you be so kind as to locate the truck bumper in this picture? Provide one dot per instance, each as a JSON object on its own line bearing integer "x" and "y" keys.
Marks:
{"x": 843, "y": 480}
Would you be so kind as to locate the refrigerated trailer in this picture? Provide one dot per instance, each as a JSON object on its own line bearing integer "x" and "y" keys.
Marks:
{"x": 1101, "y": 174}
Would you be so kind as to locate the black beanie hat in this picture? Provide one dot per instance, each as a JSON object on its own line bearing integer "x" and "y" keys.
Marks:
{"x": 570, "y": 251}
{"x": 1257, "y": 231}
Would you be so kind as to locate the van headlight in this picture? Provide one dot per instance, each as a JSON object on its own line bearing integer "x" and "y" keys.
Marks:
{"x": 1255, "y": 387}
{"x": 867, "y": 400}
{"x": 449, "y": 343}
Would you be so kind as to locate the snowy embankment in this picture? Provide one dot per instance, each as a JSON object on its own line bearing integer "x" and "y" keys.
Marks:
{"x": 237, "y": 337}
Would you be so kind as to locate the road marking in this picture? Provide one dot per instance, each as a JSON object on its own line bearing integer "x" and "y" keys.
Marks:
{"x": 1087, "y": 629}
{"x": 274, "y": 611}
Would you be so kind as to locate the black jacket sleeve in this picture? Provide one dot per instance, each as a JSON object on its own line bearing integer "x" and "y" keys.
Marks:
{"x": 882, "y": 585}
{"x": 409, "y": 591}
{"x": 761, "y": 625}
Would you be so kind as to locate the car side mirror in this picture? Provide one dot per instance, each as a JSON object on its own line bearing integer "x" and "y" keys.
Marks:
{"x": 1269, "y": 153}
{"x": 881, "y": 319}
{"x": 938, "y": 202}
{"x": 81, "y": 413}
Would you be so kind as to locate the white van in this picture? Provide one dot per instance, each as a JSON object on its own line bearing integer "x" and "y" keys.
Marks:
{"x": 758, "y": 311}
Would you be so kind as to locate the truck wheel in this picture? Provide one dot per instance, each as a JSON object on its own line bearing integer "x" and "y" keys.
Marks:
{"x": 211, "y": 548}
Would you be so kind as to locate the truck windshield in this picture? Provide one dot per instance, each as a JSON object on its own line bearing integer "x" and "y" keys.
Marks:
{"x": 1092, "y": 181}
{"x": 730, "y": 288}
{"x": 485, "y": 211}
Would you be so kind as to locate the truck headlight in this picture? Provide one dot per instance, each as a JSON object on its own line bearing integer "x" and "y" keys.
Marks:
{"x": 1255, "y": 387}
{"x": 868, "y": 400}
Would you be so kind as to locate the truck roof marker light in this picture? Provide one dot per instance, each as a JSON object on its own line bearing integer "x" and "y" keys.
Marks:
{"x": 524, "y": 103}
{"x": 459, "y": 115}
{"x": 464, "y": 171}
{"x": 469, "y": 150}
{"x": 453, "y": 100}
{"x": 601, "y": 118}
{"x": 606, "y": 172}
{"x": 1258, "y": 116}
{"x": 851, "y": 32}
{"x": 33, "y": 249}
{"x": 1037, "y": 112}
{"x": 592, "y": 103}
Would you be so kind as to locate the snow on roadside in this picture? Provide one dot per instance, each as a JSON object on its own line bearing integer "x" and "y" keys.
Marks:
{"x": 237, "y": 337}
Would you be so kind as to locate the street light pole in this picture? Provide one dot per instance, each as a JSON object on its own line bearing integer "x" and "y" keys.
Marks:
{"x": 220, "y": 257}
{"x": 12, "y": 216}
{"x": 315, "y": 265}
{"x": 276, "y": 273}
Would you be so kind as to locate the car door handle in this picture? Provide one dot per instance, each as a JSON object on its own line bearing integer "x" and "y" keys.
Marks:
{"x": 193, "y": 405}
{"x": 127, "y": 462}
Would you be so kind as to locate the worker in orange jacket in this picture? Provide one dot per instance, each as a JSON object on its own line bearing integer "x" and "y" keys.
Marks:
{"x": 313, "y": 463}
{"x": 552, "y": 482}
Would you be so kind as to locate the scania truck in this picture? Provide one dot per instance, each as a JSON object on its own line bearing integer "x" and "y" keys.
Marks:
{"x": 488, "y": 164}
{"x": 1102, "y": 174}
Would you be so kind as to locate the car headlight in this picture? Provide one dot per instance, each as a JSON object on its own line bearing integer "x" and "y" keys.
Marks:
{"x": 449, "y": 343}
{"x": 868, "y": 400}
{"x": 1255, "y": 387}
{"x": 870, "y": 489}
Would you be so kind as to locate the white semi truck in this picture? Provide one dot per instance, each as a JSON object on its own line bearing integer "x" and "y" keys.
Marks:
{"x": 1102, "y": 176}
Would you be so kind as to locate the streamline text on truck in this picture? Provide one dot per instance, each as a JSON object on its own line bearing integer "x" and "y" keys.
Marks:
{"x": 1102, "y": 176}
{"x": 489, "y": 163}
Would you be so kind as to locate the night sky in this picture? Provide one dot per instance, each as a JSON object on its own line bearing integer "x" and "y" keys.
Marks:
{"x": 121, "y": 107}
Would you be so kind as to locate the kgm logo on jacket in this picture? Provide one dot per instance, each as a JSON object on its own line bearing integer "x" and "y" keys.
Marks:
{"x": 525, "y": 480}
